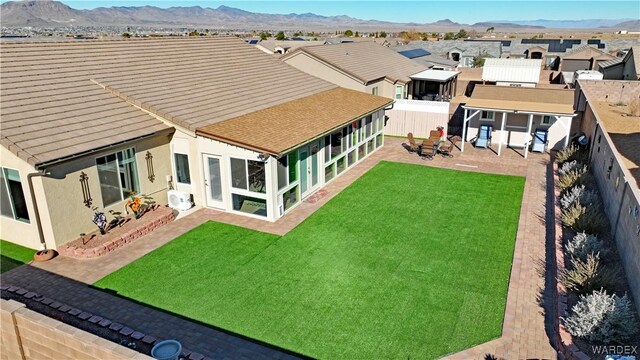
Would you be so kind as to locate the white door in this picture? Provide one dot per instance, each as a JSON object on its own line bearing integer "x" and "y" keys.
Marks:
{"x": 309, "y": 174}
{"x": 213, "y": 181}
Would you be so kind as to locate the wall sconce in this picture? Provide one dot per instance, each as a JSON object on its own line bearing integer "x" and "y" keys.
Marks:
{"x": 86, "y": 194}
{"x": 263, "y": 157}
{"x": 151, "y": 174}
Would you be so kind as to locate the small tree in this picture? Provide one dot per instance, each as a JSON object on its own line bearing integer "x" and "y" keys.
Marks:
{"x": 263, "y": 36}
{"x": 348, "y": 33}
{"x": 478, "y": 61}
{"x": 298, "y": 33}
{"x": 462, "y": 34}
{"x": 194, "y": 33}
{"x": 280, "y": 35}
{"x": 449, "y": 36}
{"x": 490, "y": 30}
{"x": 382, "y": 34}
{"x": 357, "y": 34}
{"x": 126, "y": 35}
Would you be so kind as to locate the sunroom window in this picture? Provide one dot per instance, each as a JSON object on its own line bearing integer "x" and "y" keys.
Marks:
{"x": 248, "y": 175}
{"x": 118, "y": 176}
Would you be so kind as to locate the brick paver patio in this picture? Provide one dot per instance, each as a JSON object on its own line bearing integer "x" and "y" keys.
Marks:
{"x": 524, "y": 335}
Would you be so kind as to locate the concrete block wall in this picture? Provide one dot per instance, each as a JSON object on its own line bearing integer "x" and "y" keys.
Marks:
{"x": 611, "y": 91}
{"x": 27, "y": 334}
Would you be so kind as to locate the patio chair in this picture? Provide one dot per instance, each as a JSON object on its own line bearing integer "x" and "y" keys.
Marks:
{"x": 428, "y": 148}
{"x": 413, "y": 146}
{"x": 446, "y": 148}
{"x": 434, "y": 136}
{"x": 540, "y": 140}
{"x": 484, "y": 136}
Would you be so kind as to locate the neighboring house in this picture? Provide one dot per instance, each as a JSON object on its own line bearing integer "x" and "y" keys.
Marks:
{"x": 362, "y": 66}
{"x": 515, "y": 113}
{"x": 626, "y": 68}
{"x": 282, "y": 47}
{"x": 421, "y": 55}
{"x": 584, "y": 58}
{"x": 512, "y": 72}
{"x": 614, "y": 157}
{"x": 86, "y": 123}
{"x": 461, "y": 51}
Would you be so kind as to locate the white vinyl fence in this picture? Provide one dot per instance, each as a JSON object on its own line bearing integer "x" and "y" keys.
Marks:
{"x": 416, "y": 116}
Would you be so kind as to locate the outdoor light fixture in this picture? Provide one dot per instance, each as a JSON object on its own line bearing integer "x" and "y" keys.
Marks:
{"x": 263, "y": 157}
{"x": 151, "y": 174}
{"x": 86, "y": 194}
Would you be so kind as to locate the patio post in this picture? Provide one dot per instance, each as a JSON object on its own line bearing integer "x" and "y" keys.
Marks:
{"x": 464, "y": 130}
{"x": 566, "y": 138}
{"x": 504, "y": 120}
{"x": 526, "y": 145}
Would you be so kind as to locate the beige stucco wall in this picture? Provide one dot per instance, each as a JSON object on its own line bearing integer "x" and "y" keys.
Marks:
{"x": 20, "y": 232}
{"x": 65, "y": 208}
{"x": 323, "y": 71}
{"x": 27, "y": 334}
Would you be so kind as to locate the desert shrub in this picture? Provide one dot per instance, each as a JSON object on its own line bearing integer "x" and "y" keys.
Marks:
{"x": 602, "y": 318}
{"x": 570, "y": 166}
{"x": 578, "y": 195}
{"x": 566, "y": 154}
{"x": 580, "y": 218}
{"x": 572, "y": 152}
{"x": 580, "y": 176}
{"x": 584, "y": 244}
{"x": 587, "y": 276}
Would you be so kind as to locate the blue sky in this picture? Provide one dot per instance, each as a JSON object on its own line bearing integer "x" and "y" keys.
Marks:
{"x": 412, "y": 11}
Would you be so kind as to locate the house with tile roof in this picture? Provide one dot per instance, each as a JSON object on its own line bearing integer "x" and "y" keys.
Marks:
{"x": 461, "y": 51}
{"x": 84, "y": 124}
{"x": 584, "y": 58}
{"x": 625, "y": 68}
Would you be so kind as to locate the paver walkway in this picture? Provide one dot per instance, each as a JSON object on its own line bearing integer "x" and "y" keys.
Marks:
{"x": 523, "y": 336}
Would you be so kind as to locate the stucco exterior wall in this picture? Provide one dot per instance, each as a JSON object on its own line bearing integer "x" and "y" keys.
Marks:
{"x": 320, "y": 70}
{"x": 574, "y": 65}
{"x": 16, "y": 231}
{"x": 629, "y": 71}
{"x": 65, "y": 209}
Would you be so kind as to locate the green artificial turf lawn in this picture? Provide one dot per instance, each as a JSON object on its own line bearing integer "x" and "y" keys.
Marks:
{"x": 407, "y": 262}
{"x": 12, "y": 255}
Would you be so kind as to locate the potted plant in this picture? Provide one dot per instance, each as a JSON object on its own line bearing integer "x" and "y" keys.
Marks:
{"x": 100, "y": 220}
{"x": 135, "y": 204}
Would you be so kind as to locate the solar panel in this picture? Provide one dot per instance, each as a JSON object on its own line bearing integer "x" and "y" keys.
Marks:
{"x": 600, "y": 46}
{"x": 506, "y": 42}
{"x": 412, "y": 54}
{"x": 253, "y": 41}
{"x": 593, "y": 41}
{"x": 297, "y": 39}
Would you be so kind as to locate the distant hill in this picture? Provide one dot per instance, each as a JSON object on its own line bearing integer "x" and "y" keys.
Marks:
{"x": 51, "y": 13}
{"x": 628, "y": 25}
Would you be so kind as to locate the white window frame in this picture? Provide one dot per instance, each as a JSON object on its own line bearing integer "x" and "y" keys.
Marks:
{"x": 122, "y": 197}
{"x": 175, "y": 166}
{"x": 546, "y": 120}
{"x": 402, "y": 92}
{"x": 490, "y": 118}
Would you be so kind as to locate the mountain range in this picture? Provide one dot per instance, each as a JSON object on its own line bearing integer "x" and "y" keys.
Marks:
{"x": 51, "y": 13}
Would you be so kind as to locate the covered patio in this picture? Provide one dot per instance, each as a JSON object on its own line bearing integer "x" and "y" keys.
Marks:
{"x": 434, "y": 85}
{"x": 511, "y": 115}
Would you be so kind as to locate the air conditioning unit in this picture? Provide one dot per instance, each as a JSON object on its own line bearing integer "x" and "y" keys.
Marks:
{"x": 179, "y": 200}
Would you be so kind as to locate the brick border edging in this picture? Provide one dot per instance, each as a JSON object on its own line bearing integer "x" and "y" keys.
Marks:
{"x": 25, "y": 296}
{"x": 565, "y": 344}
{"x": 129, "y": 236}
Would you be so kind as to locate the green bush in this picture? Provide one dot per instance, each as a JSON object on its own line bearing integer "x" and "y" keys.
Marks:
{"x": 579, "y": 176}
{"x": 580, "y": 218}
{"x": 587, "y": 276}
{"x": 602, "y": 318}
{"x": 579, "y": 195}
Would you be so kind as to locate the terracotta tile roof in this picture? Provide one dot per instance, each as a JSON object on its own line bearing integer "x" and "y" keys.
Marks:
{"x": 548, "y": 101}
{"x": 54, "y": 102}
{"x": 366, "y": 61}
{"x": 280, "y": 128}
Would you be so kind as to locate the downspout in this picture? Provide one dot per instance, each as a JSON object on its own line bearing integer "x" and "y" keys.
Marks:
{"x": 35, "y": 205}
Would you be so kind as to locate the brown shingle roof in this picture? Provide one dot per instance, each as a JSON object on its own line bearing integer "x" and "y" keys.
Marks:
{"x": 548, "y": 101}
{"x": 366, "y": 61}
{"x": 282, "y": 127}
{"x": 587, "y": 52}
{"x": 52, "y": 105}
